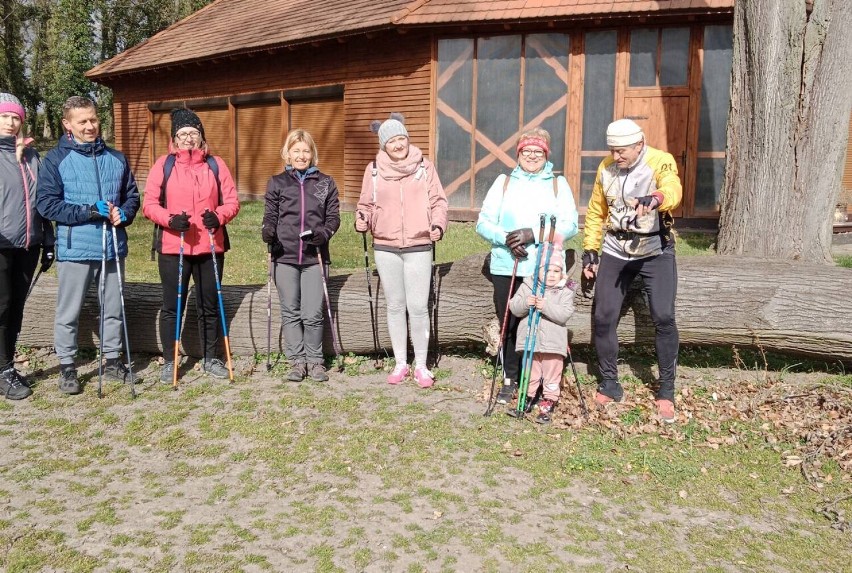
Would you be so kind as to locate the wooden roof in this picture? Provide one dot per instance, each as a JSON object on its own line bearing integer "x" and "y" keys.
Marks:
{"x": 230, "y": 27}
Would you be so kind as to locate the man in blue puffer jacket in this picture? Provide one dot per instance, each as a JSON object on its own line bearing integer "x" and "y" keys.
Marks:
{"x": 86, "y": 186}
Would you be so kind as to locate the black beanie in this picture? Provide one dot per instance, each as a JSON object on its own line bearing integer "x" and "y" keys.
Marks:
{"x": 183, "y": 117}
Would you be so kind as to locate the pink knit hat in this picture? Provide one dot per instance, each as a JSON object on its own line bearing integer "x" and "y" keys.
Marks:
{"x": 9, "y": 103}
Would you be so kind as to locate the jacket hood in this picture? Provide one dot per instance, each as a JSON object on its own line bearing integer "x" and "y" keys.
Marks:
{"x": 546, "y": 173}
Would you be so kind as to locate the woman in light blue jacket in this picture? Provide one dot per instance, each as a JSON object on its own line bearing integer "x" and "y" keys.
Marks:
{"x": 509, "y": 219}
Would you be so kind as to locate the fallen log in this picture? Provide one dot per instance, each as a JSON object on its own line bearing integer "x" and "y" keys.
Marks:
{"x": 797, "y": 308}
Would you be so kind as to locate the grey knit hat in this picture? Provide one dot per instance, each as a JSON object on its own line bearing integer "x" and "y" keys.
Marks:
{"x": 8, "y": 102}
{"x": 389, "y": 128}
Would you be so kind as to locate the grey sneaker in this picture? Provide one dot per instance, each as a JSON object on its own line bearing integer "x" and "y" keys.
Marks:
{"x": 298, "y": 371}
{"x": 13, "y": 386}
{"x": 507, "y": 392}
{"x": 216, "y": 368}
{"x": 317, "y": 372}
{"x": 68, "y": 382}
{"x": 115, "y": 369}
{"x": 167, "y": 374}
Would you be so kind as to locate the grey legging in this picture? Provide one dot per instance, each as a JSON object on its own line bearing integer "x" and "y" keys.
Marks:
{"x": 406, "y": 280}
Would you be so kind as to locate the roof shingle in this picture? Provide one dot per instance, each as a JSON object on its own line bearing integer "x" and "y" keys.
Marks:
{"x": 228, "y": 27}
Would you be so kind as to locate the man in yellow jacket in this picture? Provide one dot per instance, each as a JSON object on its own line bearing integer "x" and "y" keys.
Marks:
{"x": 629, "y": 215}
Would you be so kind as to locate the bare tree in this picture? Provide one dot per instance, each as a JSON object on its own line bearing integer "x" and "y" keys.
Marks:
{"x": 791, "y": 96}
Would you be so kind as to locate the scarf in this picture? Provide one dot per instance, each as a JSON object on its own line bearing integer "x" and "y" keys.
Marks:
{"x": 396, "y": 170}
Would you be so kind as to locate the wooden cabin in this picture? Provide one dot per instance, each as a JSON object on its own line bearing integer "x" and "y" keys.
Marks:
{"x": 468, "y": 76}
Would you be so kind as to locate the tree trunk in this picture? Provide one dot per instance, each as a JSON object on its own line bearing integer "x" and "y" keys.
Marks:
{"x": 777, "y": 305}
{"x": 787, "y": 128}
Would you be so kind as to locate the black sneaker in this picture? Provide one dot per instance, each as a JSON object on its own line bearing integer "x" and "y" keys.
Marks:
{"x": 116, "y": 370}
{"x": 298, "y": 371}
{"x": 68, "y": 382}
{"x": 507, "y": 392}
{"x": 216, "y": 368}
{"x": 317, "y": 372}
{"x": 13, "y": 386}
{"x": 545, "y": 411}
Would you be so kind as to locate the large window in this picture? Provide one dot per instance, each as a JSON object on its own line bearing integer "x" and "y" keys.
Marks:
{"x": 713, "y": 117}
{"x": 598, "y": 105}
{"x": 489, "y": 90}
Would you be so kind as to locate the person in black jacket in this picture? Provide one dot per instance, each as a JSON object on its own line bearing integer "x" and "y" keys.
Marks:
{"x": 24, "y": 234}
{"x": 302, "y": 214}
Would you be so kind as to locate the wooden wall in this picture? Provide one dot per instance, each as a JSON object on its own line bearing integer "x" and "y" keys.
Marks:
{"x": 385, "y": 73}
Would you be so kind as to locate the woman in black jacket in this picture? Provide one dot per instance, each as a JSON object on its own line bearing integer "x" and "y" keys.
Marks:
{"x": 24, "y": 234}
{"x": 302, "y": 214}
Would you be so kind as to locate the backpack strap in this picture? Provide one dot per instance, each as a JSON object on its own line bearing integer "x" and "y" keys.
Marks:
{"x": 168, "y": 167}
{"x": 555, "y": 186}
{"x": 375, "y": 179}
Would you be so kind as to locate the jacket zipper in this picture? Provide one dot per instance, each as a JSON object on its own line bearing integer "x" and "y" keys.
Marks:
{"x": 302, "y": 218}
{"x": 26, "y": 204}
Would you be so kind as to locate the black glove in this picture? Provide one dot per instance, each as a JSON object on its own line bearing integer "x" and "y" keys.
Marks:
{"x": 317, "y": 238}
{"x": 590, "y": 258}
{"x": 649, "y": 201}
{"x": 94, "y": 213}
{"x": 47, "y": 257}
{"x": 211, "y": 221}
{"x": 268, "y": 234}
{"x": 277, "y": 249}
{"x": 519, "y": 237}
{"x": 179, "y": 222}
{"x": 519, "y": 252}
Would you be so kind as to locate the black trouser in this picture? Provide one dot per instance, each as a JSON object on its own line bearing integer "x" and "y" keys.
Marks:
{"x": 17, "y": 267}
{"x": 614, "y": 277}
{"x": 200, "y": 267}
{"x": 511, "y": 358}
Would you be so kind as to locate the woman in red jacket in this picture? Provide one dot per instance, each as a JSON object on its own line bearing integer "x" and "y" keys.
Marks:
{"x": 185, "y": 195}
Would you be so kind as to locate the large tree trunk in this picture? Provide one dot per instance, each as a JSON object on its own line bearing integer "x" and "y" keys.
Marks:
{"x": 787, "y": 128}
{"x": 783, "y": 306}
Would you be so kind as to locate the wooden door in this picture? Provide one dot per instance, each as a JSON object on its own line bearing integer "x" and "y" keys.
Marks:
{"x": 664, "y": 119}
{"x": 323, "y": 119}
{"x": 259, "y": 142}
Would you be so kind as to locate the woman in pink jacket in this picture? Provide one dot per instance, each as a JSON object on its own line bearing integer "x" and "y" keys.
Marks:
{"x": 404, "y": 207}
{"x": 192, "y": 192}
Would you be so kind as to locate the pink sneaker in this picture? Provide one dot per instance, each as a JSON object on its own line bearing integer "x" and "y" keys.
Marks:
{"x": 423, "y": 377}
{"x": 400, "y": 372}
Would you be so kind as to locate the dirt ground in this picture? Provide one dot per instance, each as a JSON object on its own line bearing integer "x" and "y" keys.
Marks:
{"x": 357, "y": 475}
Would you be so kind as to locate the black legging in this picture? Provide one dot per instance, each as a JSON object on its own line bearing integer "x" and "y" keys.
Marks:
{"x": 17, "y": 267}
{"x": 200, "y": 267}
{"x": 511, "y": 358}
{"x": 613, "y": 281}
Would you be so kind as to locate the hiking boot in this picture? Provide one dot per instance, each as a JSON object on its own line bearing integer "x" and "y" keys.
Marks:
{"x": 666, "y": 411}
{"x": 13, "y": 386}
{"x": 216, "y": 368}
{"x": 167, "y": 374}
{"x": 545, "y": 411}
{"x": 298, "y": 371}
{"x": 399, "y": 373}
{"x": 116, "y": 370}
{"x": 423, "y": 377}
{"x": 528, "y": 407}
{"x": 317, "y": 372}
{"x": 507, "y": 391}
{"x": 68, "y": 382}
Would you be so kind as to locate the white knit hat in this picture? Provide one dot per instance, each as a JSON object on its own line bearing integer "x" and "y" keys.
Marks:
{"x": 623, "y": 132}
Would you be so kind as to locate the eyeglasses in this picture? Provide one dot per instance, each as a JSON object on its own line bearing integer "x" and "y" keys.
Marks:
{"x": 532, "y": 152}
{"x": 183, "y": 136}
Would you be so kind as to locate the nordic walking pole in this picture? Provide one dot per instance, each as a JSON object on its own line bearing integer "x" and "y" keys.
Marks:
{"x": 221, "y": 305}
{"x": 577, "y": 380}
{"x": 537, "y": 317}
{"x": 32, "y": 285}
{"x": 101, "y": 293}
{"x": 268, "y": 306}
{"x": 179, "y": 315}
{"x": 373, "y": 325}
{"x": 435, "y": 307}
{"x": 529, "y": 342}
{"x": 123, "y": 313}
{"x": 498, "y": 358}
{"x": 335, "y": 342}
